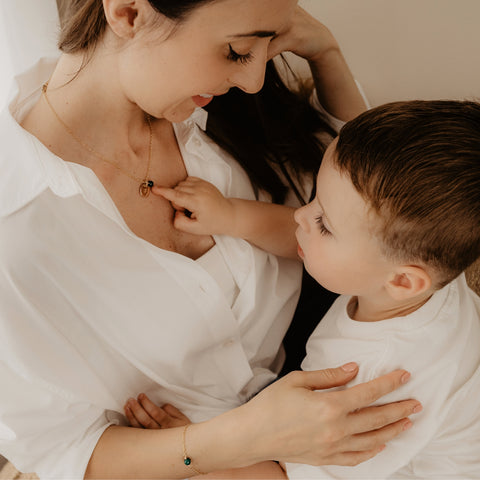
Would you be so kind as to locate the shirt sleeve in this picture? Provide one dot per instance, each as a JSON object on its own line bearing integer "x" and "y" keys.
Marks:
{"x": 39, "y": 428}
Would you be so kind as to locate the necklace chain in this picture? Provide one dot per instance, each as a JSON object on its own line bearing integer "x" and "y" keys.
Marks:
{"x": 145, "y": 183}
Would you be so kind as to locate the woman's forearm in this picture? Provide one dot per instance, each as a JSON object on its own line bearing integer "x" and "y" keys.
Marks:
{"x": 259, "y": 471}
{"x": 289, "y": 421}
{"x": 336, "y": 88}
{"x": 125, "y": 452}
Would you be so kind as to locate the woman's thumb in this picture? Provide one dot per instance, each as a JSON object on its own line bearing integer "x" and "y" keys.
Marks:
{"x": 329, "y": 377}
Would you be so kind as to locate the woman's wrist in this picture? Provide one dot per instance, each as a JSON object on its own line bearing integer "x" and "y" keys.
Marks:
{"x": 327, "y": 57}
{"x": 224, "y": 442}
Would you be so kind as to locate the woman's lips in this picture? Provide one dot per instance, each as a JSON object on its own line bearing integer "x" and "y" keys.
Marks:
{"x": 202, "y": 100}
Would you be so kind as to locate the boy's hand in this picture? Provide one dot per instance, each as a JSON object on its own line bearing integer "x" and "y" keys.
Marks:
{"x": 143, "y": 413}
{"x": 200, "y": 207}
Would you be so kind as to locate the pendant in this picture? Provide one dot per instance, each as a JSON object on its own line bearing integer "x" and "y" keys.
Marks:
{"x": 145, "y": 187}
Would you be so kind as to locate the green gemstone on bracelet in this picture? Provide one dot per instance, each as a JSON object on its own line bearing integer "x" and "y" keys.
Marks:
{"x": 187, "y": 461}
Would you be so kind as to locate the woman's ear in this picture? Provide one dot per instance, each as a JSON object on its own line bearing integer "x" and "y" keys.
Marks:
{"x": 408, "y": 281}
{"x": 121, "y": 16}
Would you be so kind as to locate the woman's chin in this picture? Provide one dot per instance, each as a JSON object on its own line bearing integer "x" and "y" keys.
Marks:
{"x": 179, "y": 115}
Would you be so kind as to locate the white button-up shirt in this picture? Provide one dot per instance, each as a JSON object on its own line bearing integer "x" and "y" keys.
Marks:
{"x": 91, "y": 314}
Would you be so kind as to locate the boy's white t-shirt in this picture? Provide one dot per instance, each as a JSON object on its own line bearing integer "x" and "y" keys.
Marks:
{"x": 440, "y": 345}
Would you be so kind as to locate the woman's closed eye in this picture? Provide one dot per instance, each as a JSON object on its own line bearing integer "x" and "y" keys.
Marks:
{"x": 323, "y": 229}
{"x": 239, "y": 58}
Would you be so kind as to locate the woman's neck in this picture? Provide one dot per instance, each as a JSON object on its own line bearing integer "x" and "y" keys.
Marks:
{"x": 90, "y": 100}
{"x": 375, "y": 309}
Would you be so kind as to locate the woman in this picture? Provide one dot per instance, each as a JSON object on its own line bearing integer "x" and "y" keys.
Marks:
{"x": 100, "y": 296}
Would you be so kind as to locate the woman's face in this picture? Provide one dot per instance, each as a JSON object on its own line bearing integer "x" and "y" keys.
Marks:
{"x": 222, "y": 44}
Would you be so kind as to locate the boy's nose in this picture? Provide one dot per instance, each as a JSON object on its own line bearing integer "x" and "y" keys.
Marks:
{"x": 301, "y": 218}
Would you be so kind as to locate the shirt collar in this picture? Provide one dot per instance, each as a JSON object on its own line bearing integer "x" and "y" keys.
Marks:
{"x": 200, "y": 117}
{"x": 28, "y": 167}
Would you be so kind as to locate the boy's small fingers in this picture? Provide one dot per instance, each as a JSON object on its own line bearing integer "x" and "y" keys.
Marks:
{"x": 180, "y": 200}
{"x": 162, "y": 191}
{"x": 186, "y": 224}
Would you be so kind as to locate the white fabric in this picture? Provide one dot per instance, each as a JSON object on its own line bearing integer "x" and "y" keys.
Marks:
{"x": 28, "y": 31}
{"x": 214, "y": 263}
{"x": 439, "y": 344}
{"x": 91, "y": 315}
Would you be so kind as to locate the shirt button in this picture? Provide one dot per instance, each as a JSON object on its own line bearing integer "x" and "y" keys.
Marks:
{"x": 197, "y": 142}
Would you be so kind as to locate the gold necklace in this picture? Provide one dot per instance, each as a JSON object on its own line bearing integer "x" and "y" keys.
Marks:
{"x": 145, "y": 183}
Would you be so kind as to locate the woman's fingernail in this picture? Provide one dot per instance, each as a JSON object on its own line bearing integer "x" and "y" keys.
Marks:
{"x": 349, "y": 367}
{"x": 408, "y": 424}
{"x": 405, "y": 377}
{"x": 418, "y": 408}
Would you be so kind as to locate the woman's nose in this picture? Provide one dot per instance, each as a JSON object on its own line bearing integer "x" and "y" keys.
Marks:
{"x": 301, "y": 217}
{"x": 250, "y": 77}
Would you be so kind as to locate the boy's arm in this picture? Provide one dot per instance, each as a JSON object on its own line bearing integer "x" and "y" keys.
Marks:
{"x": 203, "y": 210}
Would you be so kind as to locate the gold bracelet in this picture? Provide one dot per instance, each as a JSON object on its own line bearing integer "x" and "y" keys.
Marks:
{"x": 186, "y": 459}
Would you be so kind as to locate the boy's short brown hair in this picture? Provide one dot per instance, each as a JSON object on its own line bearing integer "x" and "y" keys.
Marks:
{"x": 417, "y": 165}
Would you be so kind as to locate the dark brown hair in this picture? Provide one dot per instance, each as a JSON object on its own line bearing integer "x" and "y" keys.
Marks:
{"x": 83, "y": 22}
{"x": 417, "y": 164}
{"x": 274, "y": 130}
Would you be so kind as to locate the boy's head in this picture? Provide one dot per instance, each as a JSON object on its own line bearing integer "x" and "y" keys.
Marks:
{"x": 401, "y": 183}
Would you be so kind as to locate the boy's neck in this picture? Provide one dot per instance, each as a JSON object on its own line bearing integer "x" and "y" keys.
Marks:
{"x": 365, "y": 309}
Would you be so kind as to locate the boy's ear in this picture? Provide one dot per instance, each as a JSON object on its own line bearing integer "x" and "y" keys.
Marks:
{"x": 121, "y": 16}
{"x": 408, "y": 281}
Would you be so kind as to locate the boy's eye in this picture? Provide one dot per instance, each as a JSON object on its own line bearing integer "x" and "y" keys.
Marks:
{"x": 237, "y": 57}
{"x": 321, "y": 226}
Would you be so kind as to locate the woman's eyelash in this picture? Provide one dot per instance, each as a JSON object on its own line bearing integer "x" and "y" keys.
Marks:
{"x": 321, "y": 226}
{"x": 236, "y": 57}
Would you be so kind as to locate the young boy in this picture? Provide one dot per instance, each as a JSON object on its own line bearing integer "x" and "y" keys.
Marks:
{"x": 395, "y": 222}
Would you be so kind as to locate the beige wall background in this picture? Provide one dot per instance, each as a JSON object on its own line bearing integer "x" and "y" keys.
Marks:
{"x": 407, "y": 49}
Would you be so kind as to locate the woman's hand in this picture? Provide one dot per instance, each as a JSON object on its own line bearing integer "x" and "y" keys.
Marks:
{"x": 295, "y": 422}
{"x": 335, "y": 85}
{"x": 305, "y": 36}
{"x": 143, "y": 413}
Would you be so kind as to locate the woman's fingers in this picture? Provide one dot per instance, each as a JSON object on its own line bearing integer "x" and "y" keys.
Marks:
{"x": 376, "y": 438}
{"x": 327, "y": 378}
{"x": 350, "y": 459}
{"x": 375, "y": 418}
{"x": 140, "y": 416}
{"x": 143, "y": 413}
{"x": 131, "y": 417}
{"x": 365, "y": 394}
{"x": 155, "y": 412}
{"x": 178, "y": 418}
